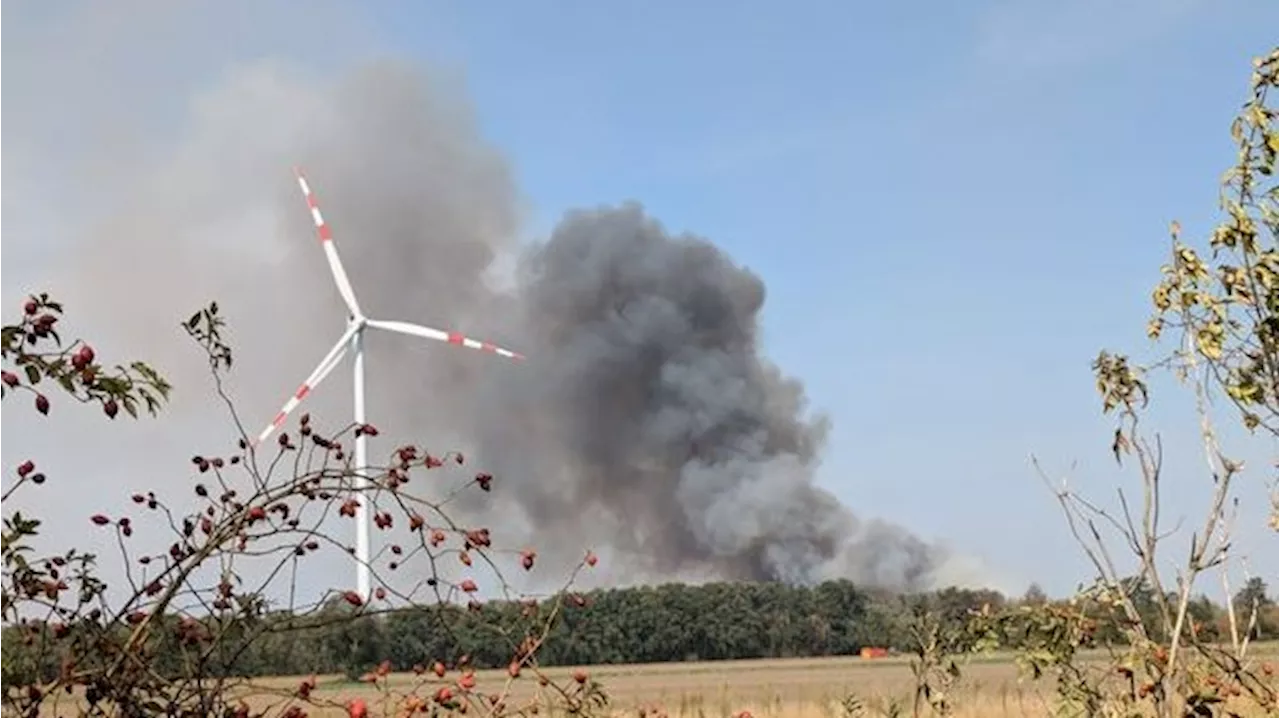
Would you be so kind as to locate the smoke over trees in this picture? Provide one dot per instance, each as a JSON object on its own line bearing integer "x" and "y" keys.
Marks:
{"x": 647, "y": 419}
{"x": 655, "y": 406}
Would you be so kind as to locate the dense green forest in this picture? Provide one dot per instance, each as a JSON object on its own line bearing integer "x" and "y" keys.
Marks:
{"x": 671, "y": 622}
{"x": 678, "y": 622}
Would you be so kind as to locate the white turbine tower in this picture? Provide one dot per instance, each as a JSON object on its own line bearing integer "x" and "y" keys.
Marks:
{"x": 353, "y": 338}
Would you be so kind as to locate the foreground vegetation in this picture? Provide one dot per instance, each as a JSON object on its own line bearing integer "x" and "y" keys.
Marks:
{"x": 1135, "y": 641}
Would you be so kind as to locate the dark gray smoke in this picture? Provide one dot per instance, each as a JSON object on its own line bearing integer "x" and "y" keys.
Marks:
{"x": 649, "y": 401}
{"x": 646, "y": 423}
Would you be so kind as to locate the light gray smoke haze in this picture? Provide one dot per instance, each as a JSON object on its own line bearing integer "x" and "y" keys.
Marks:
{"x": 647, "y": 418}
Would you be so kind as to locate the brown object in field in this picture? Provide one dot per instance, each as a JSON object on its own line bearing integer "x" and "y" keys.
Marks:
{"x": 874, "y": 652}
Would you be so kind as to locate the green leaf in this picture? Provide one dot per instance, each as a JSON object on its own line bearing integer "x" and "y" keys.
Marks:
{"x": 33, "y": 374}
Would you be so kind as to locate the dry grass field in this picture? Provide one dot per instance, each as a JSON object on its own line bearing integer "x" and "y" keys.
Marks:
{"x": 796, "y": 688}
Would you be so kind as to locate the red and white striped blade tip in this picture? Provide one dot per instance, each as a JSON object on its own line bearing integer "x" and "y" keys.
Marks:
{"x": 325, "y": 234}
{"x": 456, "y": 338}
{"x": 322, "y": 370}
{"x": 283, "y": 415}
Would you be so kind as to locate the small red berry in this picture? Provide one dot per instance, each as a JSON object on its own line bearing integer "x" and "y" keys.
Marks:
{"x": 110, "y": 408}
{"x": 26, "y": 467}
{"x": 30, "y": 307}
{"x": 467, "y": 585}
{"x": 10, "y": 379}
{"x": 357, "y": 708}
{"x": 353, "y": 598}
{"x": 591, "y": 558}
{"x": 42, "y": 404}
{"x": 100, "y": 520}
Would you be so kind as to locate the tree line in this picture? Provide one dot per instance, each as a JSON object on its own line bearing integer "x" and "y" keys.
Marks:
{"x": 646, "y": 624}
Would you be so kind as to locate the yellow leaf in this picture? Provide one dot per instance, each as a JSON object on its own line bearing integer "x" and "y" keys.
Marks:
{"x": 1210, "y": 345}
{"x": 1160, "y": 297}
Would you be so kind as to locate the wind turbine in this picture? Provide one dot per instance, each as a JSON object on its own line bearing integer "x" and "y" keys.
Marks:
{"x": 353, "y": 338}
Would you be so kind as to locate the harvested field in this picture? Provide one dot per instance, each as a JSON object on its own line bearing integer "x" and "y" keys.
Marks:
{"x": 794, "y": 688}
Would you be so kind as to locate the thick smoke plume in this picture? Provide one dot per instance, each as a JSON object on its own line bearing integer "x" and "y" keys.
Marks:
{"x": 649, "y": 402}
{"x": 647, "y": 418}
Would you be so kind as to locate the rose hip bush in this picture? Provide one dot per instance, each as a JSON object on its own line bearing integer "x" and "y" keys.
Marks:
{"x": 176, "y": 635}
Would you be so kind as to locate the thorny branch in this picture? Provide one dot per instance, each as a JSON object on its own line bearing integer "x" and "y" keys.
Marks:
{"x": 110, "y": 649}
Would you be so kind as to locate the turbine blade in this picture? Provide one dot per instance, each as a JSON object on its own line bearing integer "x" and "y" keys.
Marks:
{"x": 443, "y": 336}
{"x": 322, "y": 370}
{"x": 330, "y": 251}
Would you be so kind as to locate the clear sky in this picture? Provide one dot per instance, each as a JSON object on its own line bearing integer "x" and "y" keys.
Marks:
{"x": 954, "y": 206}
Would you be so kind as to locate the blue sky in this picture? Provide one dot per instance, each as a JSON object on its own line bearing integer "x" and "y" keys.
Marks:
{"x": 954, "y": 205}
